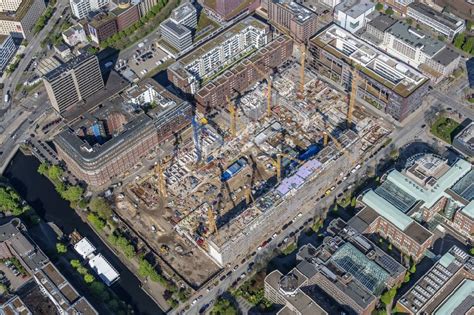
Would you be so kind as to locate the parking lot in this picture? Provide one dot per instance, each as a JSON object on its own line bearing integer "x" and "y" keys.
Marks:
{"x": 146, "y": 57}
{"x": 11, "y": 277}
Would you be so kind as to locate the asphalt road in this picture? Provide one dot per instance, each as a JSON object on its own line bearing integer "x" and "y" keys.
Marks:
{"x": 410, "y": 131}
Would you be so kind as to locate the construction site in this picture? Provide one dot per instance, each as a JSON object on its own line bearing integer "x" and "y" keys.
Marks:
{"x": 242, "y": 172}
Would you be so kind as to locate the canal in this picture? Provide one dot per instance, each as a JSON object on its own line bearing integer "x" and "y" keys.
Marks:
{"x": 39, "y": 192}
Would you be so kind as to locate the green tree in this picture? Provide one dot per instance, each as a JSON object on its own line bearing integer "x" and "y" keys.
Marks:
{"x": 114, "y": 305}
{"x": 379, "y": 6}
{"x": 82, "y": 270}
{"x": 459, "y": 40}
{"x": 469, "y": 25}
{"x": 96, "y": 221}
{"x": 73, "y": 193}
{"x": 61, "y": 248}
{"x": 88, "y": 278}
{"x": 389, "y": 11}
{"x": 468, "y": 45}
{"x": 407, "y": 277}
{"x": 388, "y": 296}
{"x": 223, "y": 307}
{"x": 353, "y": 202}
{"x": 100, "y": 206}
{"x": 409, "y": 21}
{"x": 413, "y": 268}
{"x": 442, "y": 38}
{"x": 43, "y": 168}
{"x": 97, "y": 288}
{"x": 55, "y": 172}
{"x": 75, "y": 263}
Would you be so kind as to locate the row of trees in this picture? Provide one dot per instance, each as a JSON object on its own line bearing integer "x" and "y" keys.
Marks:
{"x": 71, "y": 193}
{"x": 43, "y": 19}
{"x": 145, "y": 25}
{"x": 464, "y": 42}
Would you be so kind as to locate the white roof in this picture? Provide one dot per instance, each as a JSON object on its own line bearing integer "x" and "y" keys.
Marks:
{"x": 104, "y": 269}
{"x": 84, "y": 248}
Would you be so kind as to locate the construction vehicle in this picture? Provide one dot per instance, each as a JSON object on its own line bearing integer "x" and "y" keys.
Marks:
{"x": 352, "y": 97}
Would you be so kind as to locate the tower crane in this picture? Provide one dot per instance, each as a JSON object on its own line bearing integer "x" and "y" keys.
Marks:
{"x": 212, "y": 226}
{"x": 302, "y": 78}
{"x": 277, "y": 164}
{"x": 233, "y": 118}
{"x": 269, "y": 89}
{"x": 197, "y": 126}
{"x": 353, "y": 95}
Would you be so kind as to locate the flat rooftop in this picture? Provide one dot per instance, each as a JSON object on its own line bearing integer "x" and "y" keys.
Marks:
{"x": 221, "y": 38}
{"x": 402, "y": 78}
{"x": 466, "y": 136}
{"x": 449, "y": 20}
{"x": 354, "y": 8}
{"x": 20, "y": 13}
{"x": 382, "y": 22}
{"x": 70, "y": 65}
{"x": 182, "y": 11}
{"x": 176, "y": 29}
{"x": 415, "y": 38}
{"x": 300, "y": 13}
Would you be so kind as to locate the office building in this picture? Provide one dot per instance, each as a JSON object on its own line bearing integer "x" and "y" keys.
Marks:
{"x": 7, "y": 51}
{"x": 81, "y": 8}
{"x": 16, "y": 243}
{"x": 126, "y": 14}
{"x": 226, "y": 10}
{"x": 74, "y": 35}
{"x": 292, "y": 17}
{"x": 427, "y": 186}
{"x": 20, "y": 23}
{"x": 179, "y": 28}
{"x": 444, "y": 23}
{"x": 73, "y": 82}
{"x": 352, "y": 14}
{"x": 102, "y": 26}
{"x": 401, "y": 6}
{"x": 429, "y": 55}
{"x": 146, "y": 5}
{"x": 111, "y": 140}
{"x": 14, "y": 305}
{"x": 446, "y": 288}
{"x": 464, "y": 141}
{"x": 346, "y": 274}
{"x": 195, "y": 68}
{"x": 244, "y": 74}
{"x": 385, "y": 82}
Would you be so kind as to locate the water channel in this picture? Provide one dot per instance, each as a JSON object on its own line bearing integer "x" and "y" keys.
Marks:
{"x": 41, "y": 195}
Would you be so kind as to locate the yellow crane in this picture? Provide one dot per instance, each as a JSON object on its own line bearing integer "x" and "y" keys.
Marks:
{"x": 277, "y": 164}
{"x": 233, "y": 118}
{"x": 353, "y": 95}
{"x": 269, "y": 89}
{"x": 302, "y": 78}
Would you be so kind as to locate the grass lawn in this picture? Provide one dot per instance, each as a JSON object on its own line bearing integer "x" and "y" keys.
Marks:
{"x": 289, "y": 249}
{"x": 204, "y": 21}
{"x": 445, "y": 128}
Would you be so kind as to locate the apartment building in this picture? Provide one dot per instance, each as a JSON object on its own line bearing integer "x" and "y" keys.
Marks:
{"x": 352, "y": 14}
{"x": 462, "y": 8}
{"x": 388, "y": 84}
{"x": 111, "y": 140}
{"x": 225, "y": 10}
{"x": 126, "y": 14}
{"x": 74, "y": 81}
{"x": 240, "y": 40}
{"x": 81, "y": 8}
{"x": 426, "y": 187}
{"x": 346, "y": 274}
{"x": 45, "y": 277}
{"x": 446, "y": 288}
{"x": 146, "y": 5}
{"x": 7, "y": 51}
{"x": 444, "y": 23}
{"x": 419, "y": 50}
{"x": 74, "y": 35}
{"x": 243, "y": 75}
{"x": 179, "y": 28}
{"x": 20, "y": 23}
{"x": 293, "y": 18}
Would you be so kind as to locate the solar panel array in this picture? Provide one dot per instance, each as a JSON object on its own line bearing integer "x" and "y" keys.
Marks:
{"x": 397, "y": 197}
{"x": 465, "y": 186}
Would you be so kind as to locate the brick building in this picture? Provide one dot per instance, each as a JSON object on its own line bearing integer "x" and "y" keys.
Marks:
{"x": 390, "y": 85}
{"x": 227, "y": 9}
{"x": 126, "y": 15}
{"x": 110, "y": 141}
{"x": 102, "y": 26}
{"x": 243, "y": 75}
{"x": 346, "y": 274}
{"x": 300, "y": 22}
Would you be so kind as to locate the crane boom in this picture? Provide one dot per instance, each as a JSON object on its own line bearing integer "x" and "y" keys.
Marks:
{"x": 233, "y": 118}
{"x": 353, "y": 95}
{"x": 212, "y": 221}
{"x": 161, "y": 180}
{"x": 278, "y": 163}
{"x": 302, "y": 78}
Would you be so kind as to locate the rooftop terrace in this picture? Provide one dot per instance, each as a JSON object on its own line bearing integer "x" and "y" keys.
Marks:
{"x": 394, "y": 74}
